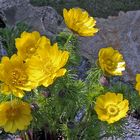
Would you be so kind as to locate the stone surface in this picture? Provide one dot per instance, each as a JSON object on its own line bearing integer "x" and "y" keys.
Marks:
{"x": 44, "y": 19}
{"x": 122, "y": 33}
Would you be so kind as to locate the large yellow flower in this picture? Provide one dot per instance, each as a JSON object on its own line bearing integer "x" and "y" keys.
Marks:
{"x": 80, "y": 22}
{"x": 138, "y": 83}
{"x": 15, "y": 115}
{"x": 111, "y": 107}
{"x": 28, "y": 43}
{"x": 14, "y": 77}
{"x": 111, "y": 61}
{"x": 47, "y": 64}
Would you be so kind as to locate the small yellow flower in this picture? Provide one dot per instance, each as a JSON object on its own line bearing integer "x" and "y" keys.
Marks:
{"x": 138, "y": 83}
{"x": 80, "y": 22}
{"x": 111, "y": 107}
{"x": 111, "y": 61}
{"x": 14, "y": 77}
{"x": 28, "y": 43}
{"x": 15, "y": 115}
{"x": 47, "y": 64}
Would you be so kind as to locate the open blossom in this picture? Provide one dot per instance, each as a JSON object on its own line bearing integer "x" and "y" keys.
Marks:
{"x": 15, "y": 115}
{"x": 28, "y": 43}
{"x": 47, "y": 64}
{"x": 80, "y": 22}
{"x": 111, "y": 107}
{"x": 14, "y": 77}
{"x": 138, "y": 83}
{"x": 111, "y": 61}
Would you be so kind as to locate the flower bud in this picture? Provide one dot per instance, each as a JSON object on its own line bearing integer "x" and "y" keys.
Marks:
{"x": 46, "y": 94}
{"x": 34, "y": 107}
{"x": 70, "y": 124}
{"x": 103, "y": 81}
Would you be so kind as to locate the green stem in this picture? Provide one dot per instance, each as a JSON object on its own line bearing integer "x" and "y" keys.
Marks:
{"x": 69, "y": 38}
{"x": 36, "y": 91}
{"x": 11, "y": 97}
{"x": 85, "y": 120}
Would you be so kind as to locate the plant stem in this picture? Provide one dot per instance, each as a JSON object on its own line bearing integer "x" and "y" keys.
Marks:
{"x": 69, "y": 38}
{"x": 11, "y": 97}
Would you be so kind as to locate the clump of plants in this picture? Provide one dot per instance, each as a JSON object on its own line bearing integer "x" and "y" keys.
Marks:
{"x": 42, "y": 90}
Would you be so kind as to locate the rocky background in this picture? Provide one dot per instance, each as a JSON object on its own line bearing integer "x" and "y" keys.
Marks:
{"x": 121, "y": 32}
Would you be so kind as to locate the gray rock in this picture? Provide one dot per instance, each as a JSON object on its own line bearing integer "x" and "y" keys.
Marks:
{"x": 44, "y": 19}
{"x": 132, "y": 129}
{"x": 122, "y": 33}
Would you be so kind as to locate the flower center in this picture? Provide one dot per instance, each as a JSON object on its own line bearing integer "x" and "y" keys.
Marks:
{"x": 18, "y": 77}
{"x": 30, "y": 50}
{"x": 112, "y": 110}
{"x": 109, "y": 62}
{"x": 12, "y": 113}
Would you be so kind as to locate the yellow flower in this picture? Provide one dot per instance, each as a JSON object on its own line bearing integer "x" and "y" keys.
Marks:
{"x": 138, "y": 83}
{"x": 28, "y": 43}
{"x": 111, "y": 61}
{"x": 80, "y": 22}
{"x": 15, "y": 115}
{"x": 14, "y": 77}
{"x": 47, "y": 64}
{"x": 111, "y": 107}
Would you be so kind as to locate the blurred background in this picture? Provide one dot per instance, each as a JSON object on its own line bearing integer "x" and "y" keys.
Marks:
{"x": 97, "y": 8}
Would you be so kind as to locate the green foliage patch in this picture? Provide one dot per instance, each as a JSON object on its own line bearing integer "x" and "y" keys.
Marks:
{"x": 66, "y": 107}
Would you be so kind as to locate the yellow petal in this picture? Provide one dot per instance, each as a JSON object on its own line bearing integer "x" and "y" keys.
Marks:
{"x": 138, "y": 86}
{"x": 119, "y": 97}
{"x": 18, "y": 93}
{"x": 61, "y": 72}
{"x": 138, "y": 77}
{"x": 36, "y": 35}
{"x": 123, "y": 105}
{"x": 8, "y": 127}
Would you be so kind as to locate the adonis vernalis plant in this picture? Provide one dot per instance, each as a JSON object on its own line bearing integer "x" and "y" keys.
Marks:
{"x": 42, "y": 88}
{"x": 111, "y": 61}
{"x": 14, "y": 77}
{"x": 80, "y": 22}
{"x": 138, "y": 83}
{"x": 28, "y": 44}
{"x": 111, "y": 107}
{"x": 47, "y": 64}
{"x": 15, "y": 115}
